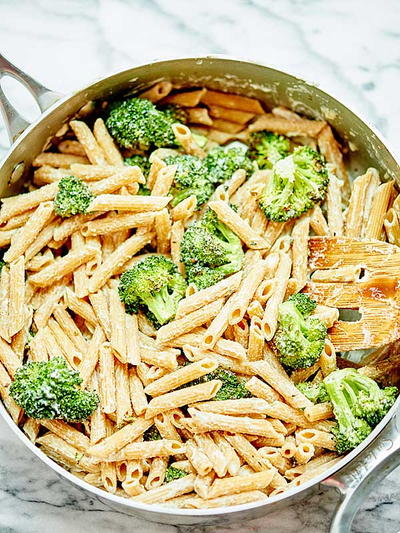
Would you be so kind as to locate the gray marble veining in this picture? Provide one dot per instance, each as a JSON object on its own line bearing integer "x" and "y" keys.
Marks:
{"x": 349, "y": 47}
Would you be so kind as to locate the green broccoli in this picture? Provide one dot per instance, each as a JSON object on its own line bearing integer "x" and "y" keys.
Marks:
{"x": 2, "y": 264}
{"x": 155, "y": 284}
{"x": 315, "y": 392}
{"x": 298, "y": 182}
{"x": 175, "y": 112}
{"x": 350, "y": 430}
{"x": 174, "y": 473}
{"x": 190, "y": 178}
{"x": 233, "y": 388}
{"x": 223, "y": 161}
{"x": 367, "y": 399}
{"x": 299, "y": 338}
{"x": 137, "y": 123}
{"x": 73, "y": 197}
{"x": 268, "y": 148}
{"x": 210, "y": 251}
{"x": 49, "y": 389}
{"x": 152, "y": 434}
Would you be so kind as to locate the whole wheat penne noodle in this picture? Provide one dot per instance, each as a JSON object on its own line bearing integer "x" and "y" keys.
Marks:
{"x": 67, "y": 453}
{"x": 317, "y": 438}
{"x": 186, "y": 98}
{"x": 203, "y": 421}
{"x": 4, "y": 303}
{"x": 68, "y": 433}
{"x": 248, "y": 452}
{"x": 261, "y": 390}
{"x": 16, "y": 205}
{"x": 185, "y": 396}
{"x": 40, "y": 261}
{"x": 256, "y": 340}
{"x": 37, "y": 348}
{"x": 206, "y": 443}
{"x": 62, "y": 266}
{"x": 138, "y": 397}
{"x": 122, "y": 177}
{"x": 319, "y": 411}
{"x": 67, "y": 347}
{"x": 184, "y": 137}
{"x": 159, "y": 91}
{"x": 233, "y": 115}
{"x": 94, "y": 152}
{"x": 302, "y": 374}
{"x": 163, "y": 181}
{"x": 79, "y": 274}
{"x": 69, "y": 225}
{"x": 122, "y": 392}
{"x": 312, "y": 473}
{"x": 71, "y": 147}
{"x": 163, "y": 358}
{"x": 232, "y": 458}
{"x": 232, "y": 101}
{"x": 17, "y": 296}
{"x": 197, "y": 458}
{"x": 98, "y": 423}
{"x": 227, "y": 126}
{"x": 52, "y": 346}
{"x": 132, "y": 487}
{"x": 107, "y": 379}
{"x": 17, "y": 221}
{"x": 340, "y": 274}
{"x": 91, "y": 356}
{"x": 199, "y": 115}
{"x": 117, "y": 325}
{"x": 99, "y": 303}
{"x": 273, "y": 455}
{"x": 119, "y": 202}
{"x": 300, "y": 234}
{"x": 304, "y": 452}
{"x": 162, "y": 223}
{"x": 392, "y": 227}
{"x": 289, "y": 448}
{"x": 184, "y": 209}
{"x": 31, "y": 427}
{"x": 97, "y": 172}
{"x": 334, "y": 206}
{"x": 235, "y": 222}
{"x": 369, "y": 198}
{"x": 202, "y": 484}
{"x": 233, "y": 407}
{"x": 181, "y": 376}
{"x": 205, "y": 296}
{"x": 13, "y": 409}
{"x": 107, "y": 144}
{"x": 314, "y": 463}
{"x": 231, "y": 349}
{"x": 193, "y": 353}
{"x": 116, "y": 259}
{"x": 28, "y": 233}
{"x": 117, "y": 222}
{"x": 274, "y": 374}
{"x": 189, "y": 322}
{"x": 264, "y": 292}
{"x": 157, "y": 164}
{"x": 379, "y": 208}
{"x": 132, "y": 339}
{"x": 270, "y": 318}
{"x": 156, "y": 475}
{"x": 354, "y": 217}
{"x": 329, "y": 148}
{"x": 58, "y": 160}
{"x": 286, "y": 413}
{"x": 177, "y": 231}
{"x": 302, "y": 126}
{"x": 8, "y": 358}
{"x": 44, "y": 238}
{"x": 167, "y": 491}
{"x": 327, "y": 358}
{"x": 217, "y": 327}
{"x": 241, "y": 300}
{"x": 119, "y": 439}
{"x": 318, "y": 222}
{"x": 47, "y": 174}
{"x": 70, "y": 328}
{"x": 222, "y": 501}
{"x": 6, "y": 237}
{"x": 166, "y": 429}
{"x": 233, "y": 485}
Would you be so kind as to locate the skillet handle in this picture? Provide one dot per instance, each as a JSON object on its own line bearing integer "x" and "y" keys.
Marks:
{"x": 362, "y": 475}
{"x": 44, "y": 97}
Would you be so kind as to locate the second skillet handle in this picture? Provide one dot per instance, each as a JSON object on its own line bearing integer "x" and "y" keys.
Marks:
{"x": 44, "y": 97}
{"x": 357, "y": 480}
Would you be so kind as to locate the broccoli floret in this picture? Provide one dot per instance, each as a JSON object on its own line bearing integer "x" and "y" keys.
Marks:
{"x": 152, "y": 434}
{"x": 137, "y": 123}
{"x": 268, "y": 148}
{"x": 223, "y": 161}
{"x": 73, "y": 197}
{"x": 233, "y": 388}
{"x": 2, "y": 264}
{"x": 49, "y": 389}
{"x": 140, "y": 161}
{"x": 298, "y": 182}
{"x": 368, "y": 400}
{"x": 155, "y": 284}
{"x": 299, "y": 338}
{"x": 190, "y": 178}
{"x": 351, "y": 430}
{"x": 210, "y": 251}
{"x": 175, "y": 112}
{"x": 174, "y": 473}
{"x": 315, "y": 392}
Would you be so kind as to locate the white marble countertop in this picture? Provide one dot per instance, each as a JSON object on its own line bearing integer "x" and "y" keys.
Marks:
{"x": 349, "y": 46}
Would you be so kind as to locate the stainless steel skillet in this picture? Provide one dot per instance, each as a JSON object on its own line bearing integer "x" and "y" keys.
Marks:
{"x": 358, "y": 472}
